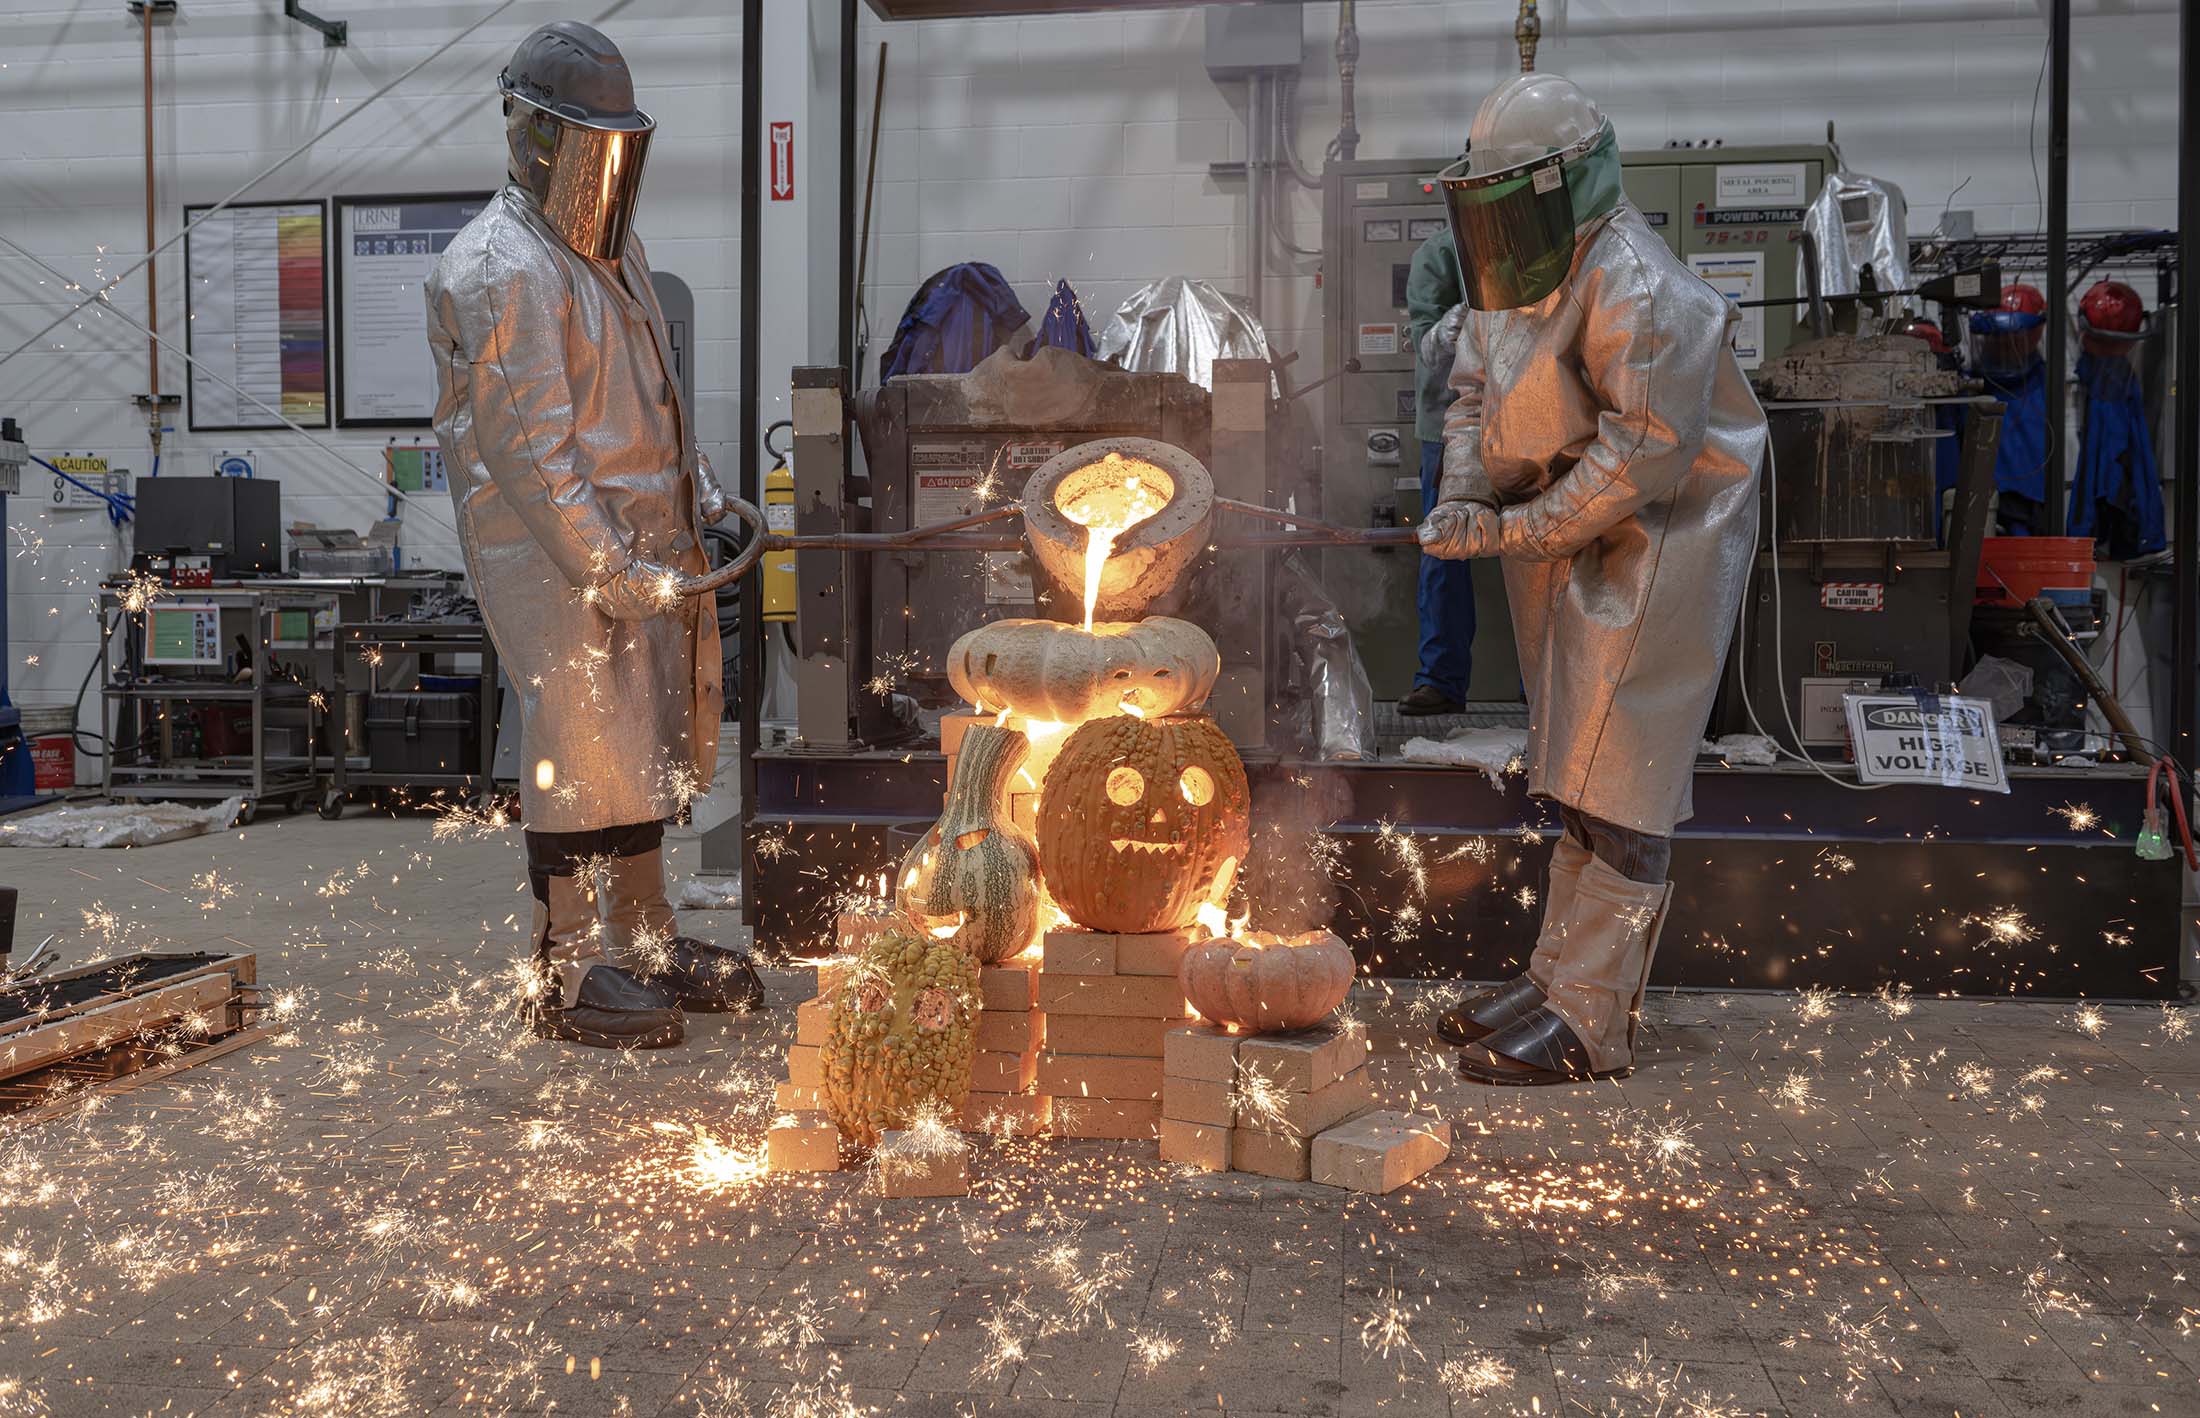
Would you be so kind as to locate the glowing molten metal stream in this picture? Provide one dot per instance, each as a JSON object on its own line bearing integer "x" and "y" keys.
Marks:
{"x": 1107, "y": 512}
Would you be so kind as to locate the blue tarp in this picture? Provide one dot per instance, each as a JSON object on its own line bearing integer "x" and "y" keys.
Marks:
{"x": 957, "y": 317}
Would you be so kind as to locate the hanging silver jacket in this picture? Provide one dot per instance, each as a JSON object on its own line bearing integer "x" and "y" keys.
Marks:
{"x": 570, "y": 455}
{"x": 1614, "y": 430}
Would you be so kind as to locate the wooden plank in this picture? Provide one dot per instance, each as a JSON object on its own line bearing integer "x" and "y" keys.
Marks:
{"x": 139, "y": 1079}
{"x": 65, "y": 1035}
{"x": 241, "y": 968}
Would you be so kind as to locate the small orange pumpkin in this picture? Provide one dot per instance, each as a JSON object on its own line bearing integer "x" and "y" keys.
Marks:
{"x": 1267, "y": 984}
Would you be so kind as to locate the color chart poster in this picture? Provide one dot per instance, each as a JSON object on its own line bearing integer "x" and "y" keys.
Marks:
{"x": 258, "y": 327}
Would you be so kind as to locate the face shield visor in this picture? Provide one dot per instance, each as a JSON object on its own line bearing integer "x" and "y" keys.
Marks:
{"x": 585, "y": 180}
{"x": 1514, "y": 225}
{"x": 2004, "y": 343}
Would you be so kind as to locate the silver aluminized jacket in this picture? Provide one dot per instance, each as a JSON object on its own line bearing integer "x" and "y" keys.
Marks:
{"x": 569, "y": 455}
{"x": 1612, "y": 427}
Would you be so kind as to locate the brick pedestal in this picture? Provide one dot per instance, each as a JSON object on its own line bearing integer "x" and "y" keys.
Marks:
{"x": 1109, "y": 1000}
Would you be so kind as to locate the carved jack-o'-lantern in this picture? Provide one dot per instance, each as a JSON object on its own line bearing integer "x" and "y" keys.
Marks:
{"x": 901, "y": 1032}
{"x": 974, "y": 878}
{"x": 1141, "y": 821}
{"x": 1043, "y": 669}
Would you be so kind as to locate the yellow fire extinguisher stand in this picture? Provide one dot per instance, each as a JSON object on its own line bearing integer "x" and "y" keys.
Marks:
{"x": 778, "y": 568}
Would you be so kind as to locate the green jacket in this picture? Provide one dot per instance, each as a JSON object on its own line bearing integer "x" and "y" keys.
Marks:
{"x": 1433, "y": 287}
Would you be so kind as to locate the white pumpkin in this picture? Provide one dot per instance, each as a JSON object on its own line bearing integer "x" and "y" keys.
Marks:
{"x": 1051, "y": 670}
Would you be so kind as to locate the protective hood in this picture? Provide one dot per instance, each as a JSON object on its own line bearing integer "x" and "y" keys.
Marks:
{"x": 585, "y": 178}
{"x": 1516, "y": 224}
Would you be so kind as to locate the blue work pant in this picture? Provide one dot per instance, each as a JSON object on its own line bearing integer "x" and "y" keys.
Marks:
{"x": 1445, "y": 599}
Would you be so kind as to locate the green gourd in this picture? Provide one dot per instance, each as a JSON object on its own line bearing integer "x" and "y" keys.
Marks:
{"x": 974, "y": 879}
{"x": 901, "y": 1032}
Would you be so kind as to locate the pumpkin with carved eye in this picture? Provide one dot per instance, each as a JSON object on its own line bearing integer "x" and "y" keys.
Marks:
{"x": 974, "y": 877}
{"x": 901, "y": 1032}
{"x": 1142, "y": 821}
{"x": 1044, "y": 669}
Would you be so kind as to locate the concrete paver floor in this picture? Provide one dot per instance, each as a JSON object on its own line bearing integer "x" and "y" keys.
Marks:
{"x": 401, "y": 1205}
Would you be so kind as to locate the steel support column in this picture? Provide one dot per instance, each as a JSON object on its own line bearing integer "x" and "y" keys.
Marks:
{"x": 2058, "y": 262}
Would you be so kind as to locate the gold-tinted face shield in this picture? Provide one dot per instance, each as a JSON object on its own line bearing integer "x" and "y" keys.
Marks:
{"x": 587, "y": 180}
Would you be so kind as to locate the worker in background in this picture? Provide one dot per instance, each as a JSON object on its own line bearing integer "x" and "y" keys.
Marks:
{"x": 1445, "y": 594}
{"x": 2005, "y": 353}
{"x": 1605, "y": 445}
{"x": 581, "y": 496}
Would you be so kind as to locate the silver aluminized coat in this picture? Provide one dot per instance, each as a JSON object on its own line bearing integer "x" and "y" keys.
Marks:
{"x": 569, "y": 455}
{"x": 1613, "y": 427}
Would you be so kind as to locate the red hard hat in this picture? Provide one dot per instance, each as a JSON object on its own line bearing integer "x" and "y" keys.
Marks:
{"x": 1926, "y": 330}
{"x": 2112, "y": 307}
{"x": 2111, "y": 319}
{"x": 2026, "y": 298}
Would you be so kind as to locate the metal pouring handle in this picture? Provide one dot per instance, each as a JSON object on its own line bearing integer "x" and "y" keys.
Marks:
{"x": 761, "y": 540}
{"x": 961, "y": 535}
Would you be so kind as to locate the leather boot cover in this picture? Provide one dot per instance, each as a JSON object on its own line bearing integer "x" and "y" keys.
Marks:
{"x": 1567, "y": 860}
{"x": 638, "y": 920}
{"x": 1603, "y": 959}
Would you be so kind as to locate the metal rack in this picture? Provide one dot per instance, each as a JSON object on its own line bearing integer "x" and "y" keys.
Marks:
{"x": 260, "y": 777}
{"x": 426, "y": 639}
{"x": 2090, "y": 251}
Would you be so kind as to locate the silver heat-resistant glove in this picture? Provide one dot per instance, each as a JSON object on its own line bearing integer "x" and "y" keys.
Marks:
{"x": 1441, "y": 342}
{"x": 642, "y": 590}
{"x": 1456, "y": 531}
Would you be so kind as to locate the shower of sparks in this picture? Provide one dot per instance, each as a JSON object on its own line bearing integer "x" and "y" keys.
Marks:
{"x": 1895, "y": 1000}
{"x": 2175, "y": 1024}
{"x": 1257, "y": 1100}
{"x": 1476, "y": 1376}
{"x": 1795, "y": 1091}
{"x": 1150, "y": 1351}
{"x": 1525, "y": 896}
{"x": 2088, "y": 1020}
{"x": 2006, "y": 926}
{"x": 1388, "y": 1328}
{"x": 1814, "y": 1005}
{"x": 2080, "y": 817}
{"x": 1406, "y": 851}
{"x": 1664, "y": 1141}
{"x": 139, "y": 589}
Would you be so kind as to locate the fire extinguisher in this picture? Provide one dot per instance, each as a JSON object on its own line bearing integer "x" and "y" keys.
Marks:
{"x": 778, "y": 568}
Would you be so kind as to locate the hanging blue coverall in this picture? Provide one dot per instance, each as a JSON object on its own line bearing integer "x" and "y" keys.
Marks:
{"x": 1064, "y": 326}
{"x": 1445, "y": 594}
{"x": 2020, "y": 467}
{"x": 2117, "y": 494}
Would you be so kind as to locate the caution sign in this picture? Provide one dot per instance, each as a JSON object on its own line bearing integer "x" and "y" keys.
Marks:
{"x": 1940, "y": 740}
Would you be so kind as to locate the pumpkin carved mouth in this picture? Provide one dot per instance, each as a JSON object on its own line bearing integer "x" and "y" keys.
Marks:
{"x": 1145, "y": 848}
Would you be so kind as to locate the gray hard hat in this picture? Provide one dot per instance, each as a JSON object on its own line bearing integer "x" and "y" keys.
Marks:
{"x": 575, "y": 71}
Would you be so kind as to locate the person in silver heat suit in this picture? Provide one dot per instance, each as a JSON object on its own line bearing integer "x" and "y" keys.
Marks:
{"x": 1606, "y": 445}
{"x": 581, "y": 496}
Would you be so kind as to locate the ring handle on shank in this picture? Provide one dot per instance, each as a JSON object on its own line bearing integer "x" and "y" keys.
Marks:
{"x": 740, "y": 566}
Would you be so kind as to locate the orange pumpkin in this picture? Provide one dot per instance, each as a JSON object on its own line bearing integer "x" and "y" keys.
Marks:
{"x": 1267, "y": 984}
{"x": 1141, "y": 821}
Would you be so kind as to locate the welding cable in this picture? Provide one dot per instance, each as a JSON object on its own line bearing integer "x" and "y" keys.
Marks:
{"x": 1779, "y": 658}
{"x": 77, "y": 732}
{"x": 2176, "y": 803}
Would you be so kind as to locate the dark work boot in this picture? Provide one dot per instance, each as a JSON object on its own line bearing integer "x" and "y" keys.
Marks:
{"x": 583, "y": 998}
{"x": 642, "y": 934}
{"x": 1426, "y": 700}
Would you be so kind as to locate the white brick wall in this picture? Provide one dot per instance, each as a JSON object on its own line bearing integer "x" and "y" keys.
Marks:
{"x": 1074, "y": 147}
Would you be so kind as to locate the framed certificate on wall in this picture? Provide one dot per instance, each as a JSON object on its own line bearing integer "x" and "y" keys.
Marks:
{"x": 385, "y": 248}
{"x": 256, "y": 316}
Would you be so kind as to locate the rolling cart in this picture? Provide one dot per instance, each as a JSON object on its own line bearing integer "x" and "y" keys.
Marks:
{"x": 428, "y": 639}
